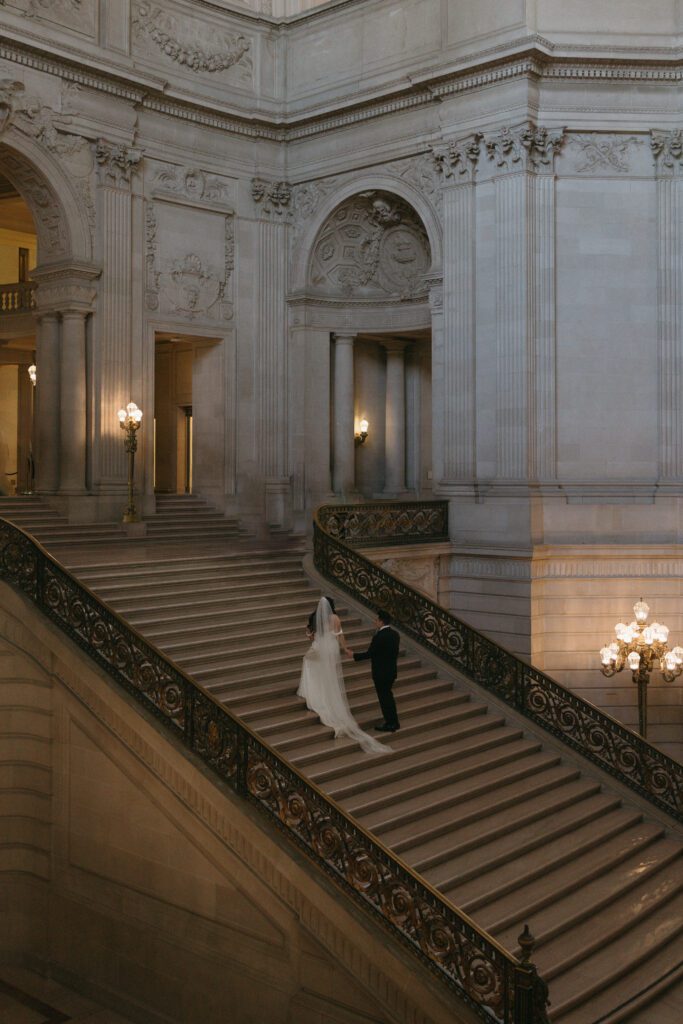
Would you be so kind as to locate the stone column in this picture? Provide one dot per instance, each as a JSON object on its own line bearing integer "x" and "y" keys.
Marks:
{"x": 525, "y": 300}
{"x": 667, "y": 149}
{"x": 395, "y": 421}
{"x": 46, "y": 408}
{"x": 438, "y": 393}
{"x": 72, "y": 414}
{"x": 457, "y": 162}
{"x": 344, "y": 471}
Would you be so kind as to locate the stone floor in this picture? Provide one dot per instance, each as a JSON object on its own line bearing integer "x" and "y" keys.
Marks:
{"x": 28, "y": 998}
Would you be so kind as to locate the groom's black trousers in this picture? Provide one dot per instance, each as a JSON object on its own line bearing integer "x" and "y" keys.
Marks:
{"x": 382, "y": 654}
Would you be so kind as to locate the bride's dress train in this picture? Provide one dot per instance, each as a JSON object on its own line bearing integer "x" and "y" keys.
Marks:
{"x": 322, "y": 683}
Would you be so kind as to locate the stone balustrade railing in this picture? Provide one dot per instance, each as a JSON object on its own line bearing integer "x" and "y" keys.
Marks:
{"x": 17, "y": 298}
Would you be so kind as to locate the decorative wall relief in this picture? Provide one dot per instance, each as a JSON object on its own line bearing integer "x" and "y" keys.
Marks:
{"x": 198, "y": 284}
{"x": 667, "y": 150}
{"x": 189, "y": 42}
{"x": 115, "y": 162}
{"x": 271, "y": 197}
{"x": 10, "y": 91}
{"x": 77, "y": 15}
{"x": 373, "y": 245}
{"x": 152, "y": 274}
{"x": 456, "y": 161}
{"x": 598, "y": 152}
{"x": 525, "y": 147}
{"x": 192, "y": 184}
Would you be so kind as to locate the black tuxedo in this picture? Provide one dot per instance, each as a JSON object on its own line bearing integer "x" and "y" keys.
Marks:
{"x": 382, "y": 654}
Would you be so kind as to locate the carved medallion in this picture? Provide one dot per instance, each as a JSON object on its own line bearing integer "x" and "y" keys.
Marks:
{"x": 372, "y": 245}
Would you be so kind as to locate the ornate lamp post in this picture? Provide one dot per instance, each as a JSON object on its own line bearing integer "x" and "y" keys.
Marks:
{"x": 640, "y": 646}
{"x": 129, "y": 420}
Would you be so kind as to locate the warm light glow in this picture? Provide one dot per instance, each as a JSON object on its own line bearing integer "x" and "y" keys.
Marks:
{"x": 130, "y": 415}
{"x": 641, "y": 611}
{"x": 33, "y": 373}
{"x": 633, "y": 660}
{"x": 364, "y": 426}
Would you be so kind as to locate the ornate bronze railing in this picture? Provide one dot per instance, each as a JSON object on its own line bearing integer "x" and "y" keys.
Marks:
{"x": 17, "y": 298}
{"x": 579, "y": 724}
{"x": 396, "y": 522}
{"x": 469, "y": 961}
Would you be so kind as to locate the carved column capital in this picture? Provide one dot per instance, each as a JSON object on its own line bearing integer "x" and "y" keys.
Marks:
{"x": 667, "y": 151}
{"x": 525, "y": 147}
{"x": 456, "y": 161}
{"x": 115, "y": 163}
{"x": 272, "y": 198}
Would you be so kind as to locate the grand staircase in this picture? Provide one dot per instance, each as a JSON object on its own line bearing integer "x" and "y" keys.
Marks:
{"x": 502, "y": 821}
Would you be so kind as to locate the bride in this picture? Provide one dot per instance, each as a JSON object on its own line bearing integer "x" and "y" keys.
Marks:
{"x": 322, "y": 680}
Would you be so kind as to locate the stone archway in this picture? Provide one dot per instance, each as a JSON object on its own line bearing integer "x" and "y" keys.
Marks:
{"x": 368, "y": 282}
{"x": 64, "y": 297}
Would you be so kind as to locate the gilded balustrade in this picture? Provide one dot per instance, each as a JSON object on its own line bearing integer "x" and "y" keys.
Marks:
{"x": 339, "y": 530}
{"x": 471, "y": 963}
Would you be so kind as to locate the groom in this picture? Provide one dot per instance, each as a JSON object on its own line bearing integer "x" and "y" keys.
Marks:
{"x": 382, "y": 653}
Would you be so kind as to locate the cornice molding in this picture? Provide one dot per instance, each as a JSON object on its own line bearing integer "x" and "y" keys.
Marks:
{"x": 646, "y": 65}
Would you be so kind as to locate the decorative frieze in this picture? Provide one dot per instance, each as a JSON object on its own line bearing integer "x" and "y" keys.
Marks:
{"x": 599, "y": 152}
{"x": 456, "y": 161}
{"x": 525, "y": 147}
{"x": 272, "y": 198}
{"x": 163, "y": 30}
{"x": 191, "y": 184}
{"x": 115, "y": 163}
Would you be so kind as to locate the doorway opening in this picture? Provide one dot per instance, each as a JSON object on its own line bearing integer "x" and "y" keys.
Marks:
{"x": 18, "y": 245}
{"x": 188, "y": 414}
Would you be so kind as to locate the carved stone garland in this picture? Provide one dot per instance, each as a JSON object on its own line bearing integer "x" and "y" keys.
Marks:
{"x": 148, "y": 20}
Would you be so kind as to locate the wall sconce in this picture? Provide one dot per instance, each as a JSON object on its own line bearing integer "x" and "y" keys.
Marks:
{"x": 641, "y": 647}
{"x": 129, "y": 420}
{"x": 33, "y": 373}
{"x": 360, "y": 437}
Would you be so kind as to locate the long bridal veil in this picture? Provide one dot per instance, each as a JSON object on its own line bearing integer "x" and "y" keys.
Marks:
{"x": 322, "y": 682}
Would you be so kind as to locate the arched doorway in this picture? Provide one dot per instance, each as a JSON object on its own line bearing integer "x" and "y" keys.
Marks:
{"x": 365, "y": 322}
{"x": 18, "y": 248}
{"x": 56, "y": 304}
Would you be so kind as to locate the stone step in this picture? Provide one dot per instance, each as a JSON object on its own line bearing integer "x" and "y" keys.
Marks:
{"x": 501, "y": 823}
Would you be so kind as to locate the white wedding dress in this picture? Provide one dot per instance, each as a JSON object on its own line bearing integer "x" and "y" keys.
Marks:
{"x": 322, "y": 682}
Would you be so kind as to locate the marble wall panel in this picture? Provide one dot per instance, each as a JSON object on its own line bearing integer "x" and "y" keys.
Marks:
{"x": 190, "y": 262}
{"x": 607, "y": 363}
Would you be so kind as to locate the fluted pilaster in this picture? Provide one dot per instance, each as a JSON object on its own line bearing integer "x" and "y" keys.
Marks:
{"x": 667, "y": 148}
{"x": 114, "y": 325}
{"x": 271, "y": 352}
{"x": 525, "y": 301}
